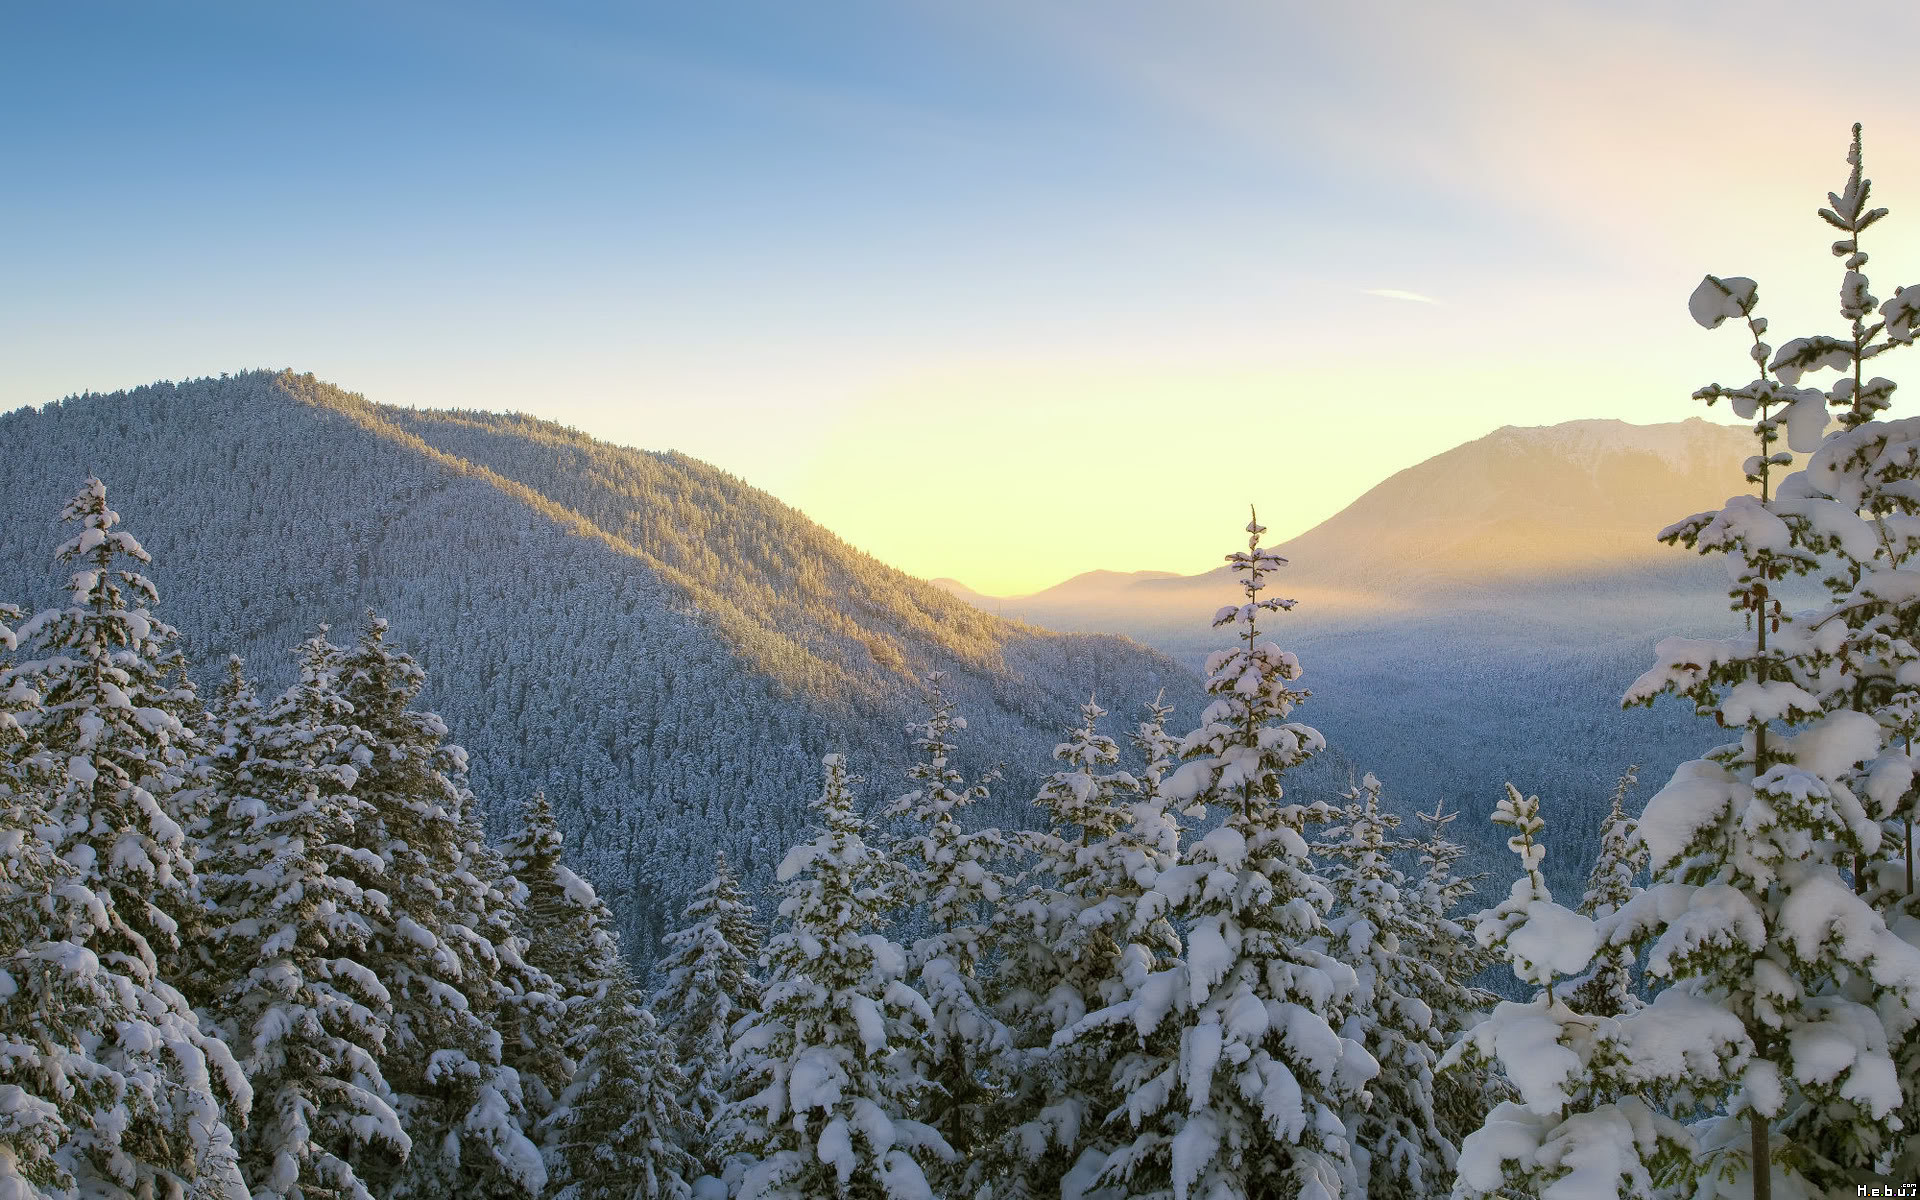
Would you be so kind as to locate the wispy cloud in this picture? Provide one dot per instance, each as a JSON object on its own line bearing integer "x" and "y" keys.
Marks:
{"x": 1398, "y": 294}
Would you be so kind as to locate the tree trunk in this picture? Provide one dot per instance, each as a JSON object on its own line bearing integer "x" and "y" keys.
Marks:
{"x": 1762, "y": 1157}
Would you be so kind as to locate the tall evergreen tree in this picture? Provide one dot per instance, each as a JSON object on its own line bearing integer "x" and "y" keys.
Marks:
{"x": 952, "y": 878}
{"x": 1607, "y": 986}
{"x": 1463, "y": 1095}
{"x": 461, "y": 1104}
{"x": 1375, "y": 928}
{"x": 828, "y": 1064}
{"x": 104, "y": 751}
{"x": 1066, "y": 938}
{"x": 1237, "y": 1082}
{"x": 1581, "y": 1124}
{"x": 286, "y": 982}
{"x": 557, "y": 946}
{"x": 1756, "y": 849}
{"x": 709, "y": 984}
{"x": 617, "y": 1131}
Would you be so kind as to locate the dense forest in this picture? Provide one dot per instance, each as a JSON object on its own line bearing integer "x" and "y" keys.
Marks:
{"x": 588, "y": 631}
{"x": 260, "y": 941}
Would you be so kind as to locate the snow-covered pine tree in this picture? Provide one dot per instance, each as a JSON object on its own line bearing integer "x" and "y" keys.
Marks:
{"x": 1755, "y": 849}
{"x": 1857, "y": 497}
{"x": 112, "y": 705}
{"x": 1376, "y": 928}
{"x": 827, "y": 1067}
{"x": 952, "y": 878}
{"x": 96, "y": 1039}
{"x": 284, "y": 974}
{"x": 1236, "y": 1084}
{"x": 617, "y": 1131}
{"x": 1465, "y": 1094}
{"x": 1581, "y": 1127}
{"x": 1068, "y": 940}
{"x": 460, "y": 1102}
{"x": 1607, "y": 986}
{"x": 708, "y": 984}
{"x": 36, "y": 1124}
{"x": 568, "y": 953}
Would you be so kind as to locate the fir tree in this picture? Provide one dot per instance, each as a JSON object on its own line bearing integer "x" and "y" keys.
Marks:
{"x": 1465, "y": 1094}
{"x": 1238, "y": 1079}
{"x": 558, "y": 950}
{"x": 1607, "y": 986}
{"x": 951, "y": 880}
{"x": 285, "y": 979}
{"x": 1752, "y": 847}
{"x": 1375, "y": 928}
{"x": 461, "y": 1104}
{"x": 827, "y": 1065}
{"x": 1581, "y": 1125}
{"x": 709, "y": 985}
{"x": 97, "y": 1041}
{"x": 1067, "y": 938}
{"x": 616, "y": 1132}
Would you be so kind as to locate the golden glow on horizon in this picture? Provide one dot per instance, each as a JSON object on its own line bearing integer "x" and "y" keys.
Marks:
{"x": 1011, "y": 483}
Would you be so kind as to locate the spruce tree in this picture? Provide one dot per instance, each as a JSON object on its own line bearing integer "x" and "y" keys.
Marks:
{"x": 952, "y": 879}
{"x": 1375, "y": 928}
{"x": 436, "y": 952}
{"x": 1607, "y": 986}
{"x": 709, "y": 983}
{"x": 1237, "y": 1081}
{"x": 289, "y": 988}
{"x": 1465, "y": 1094}
{"x": 101, "y": 754}
{"x": 1066, "y": 939}
{"x": 1581, "y": 1124}
{"x": 556, "y": 944}
{"x": 828, "y": 1065}
{"x": 1756, "y": 849}
{"x": 617, "y": 1131}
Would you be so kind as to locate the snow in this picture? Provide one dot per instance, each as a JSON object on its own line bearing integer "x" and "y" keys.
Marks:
{"x": 1717, "y": 300}
{"x": 1552, "y": 939}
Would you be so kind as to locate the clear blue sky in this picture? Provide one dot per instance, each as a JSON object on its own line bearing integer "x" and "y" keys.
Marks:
{"x": 947, "y": 276}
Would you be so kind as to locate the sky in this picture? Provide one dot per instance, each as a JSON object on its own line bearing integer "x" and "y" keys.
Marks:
{"x": 1000, "y": 290}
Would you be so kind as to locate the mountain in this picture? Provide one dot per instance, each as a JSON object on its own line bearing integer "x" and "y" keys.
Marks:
{"x": 1475, "y": 618}
{"x": 664, "y": 649}
{"x": 1516, "y": 514}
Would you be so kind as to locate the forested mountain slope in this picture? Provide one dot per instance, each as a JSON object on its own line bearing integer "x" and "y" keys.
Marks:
{"x": 664, "y": 649}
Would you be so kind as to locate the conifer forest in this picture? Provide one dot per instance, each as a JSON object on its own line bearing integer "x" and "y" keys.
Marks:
{"x": 784, "y": 876}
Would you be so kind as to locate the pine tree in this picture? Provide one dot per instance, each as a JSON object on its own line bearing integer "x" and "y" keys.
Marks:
{"x": 709, "y": 985}
{"x": 616, "y": 1132}
{"x": 1465, "y": 1094}
{"x": 1238, "y": 1079}
{"x": 1375, "y": 928}
{"x": 1607, "y": 986}
{"x": 1752, "y": 847}
{"x": 461, "y": 1104}
{"x": 827, "y": 1065}
{"x": 1581, "y": 1125}
{"x": 111, "y": 711}
{"x": 1069, "y": 942}
{"x": 38, "y": 918}
{"x": 569, "y": 954}
{"x": 951, "y": 880}
{"x": 104, "y": 754}
{"x": 285, "y": 977}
